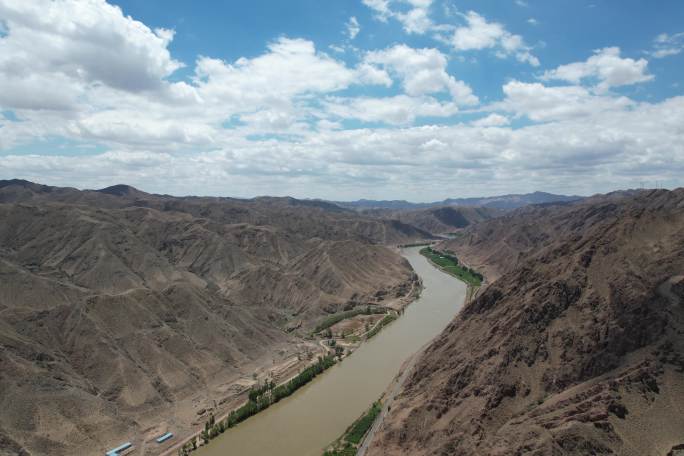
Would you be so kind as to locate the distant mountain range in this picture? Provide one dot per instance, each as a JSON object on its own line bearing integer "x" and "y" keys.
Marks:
{"x": 504, "y": 202}
{"x": 439, "y": 221}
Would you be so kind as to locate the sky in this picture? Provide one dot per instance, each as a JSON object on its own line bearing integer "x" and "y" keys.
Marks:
{"x": 344, "y": 99}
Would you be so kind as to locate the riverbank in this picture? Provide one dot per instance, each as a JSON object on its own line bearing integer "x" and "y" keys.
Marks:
{"x": 344, "y": 332}
{"x": 306, "y": 422}
{"x": 450, "y": 264}
{"x": 443, "y": 262}
{"x": 389, "y": 395}
{"x": 261, "y": 397}
{"x": 357, "y": 447}
{"x": 345, "y": 343}
{"x": 193, "y": 441}
{"x": 348, "y": 444}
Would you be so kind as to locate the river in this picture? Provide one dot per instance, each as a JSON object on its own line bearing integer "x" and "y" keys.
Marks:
{"x": 317, "y": 414}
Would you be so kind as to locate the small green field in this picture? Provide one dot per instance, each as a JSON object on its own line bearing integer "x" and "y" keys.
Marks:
{"x": 348, "y": 444}
{"x": 362, "y": 425}
{"x": 450, "y": 264}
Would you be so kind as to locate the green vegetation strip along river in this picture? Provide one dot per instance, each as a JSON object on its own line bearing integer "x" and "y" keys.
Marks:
{"x": 451, "y": 265}
{"x": 305, "y": 423}
{"x": 348, "y": 443}
{"x": 336, "y": 318}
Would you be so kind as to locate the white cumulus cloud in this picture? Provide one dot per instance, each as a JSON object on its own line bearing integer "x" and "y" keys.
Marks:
{"x": 381, "y": 8}
{"x": 422, "y": 71}
{"x": 481, "y": 34}
{"x": 492, "y": 120}
{"x": 414, "y": 20}
{"x": 79, "y": 42}
{"x": 290, "y": 67}
{"x": 607, "y": 67}
{"x": 396, "y": 110}
{"x": 541, "y": 103}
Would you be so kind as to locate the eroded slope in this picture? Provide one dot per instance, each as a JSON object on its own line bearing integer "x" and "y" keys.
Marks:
{"x": 578, "y": 348}
{"x": 122, "y": 311}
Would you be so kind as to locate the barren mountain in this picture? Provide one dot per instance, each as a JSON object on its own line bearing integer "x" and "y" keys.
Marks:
{"x": 501, "y": 202}
{"x": 504, "y": 241}
{"x": 121, "y": 311}
{"x": 577, "y": 348}
{"x": 438, "y": 220}
{"x": 304, "y": 219}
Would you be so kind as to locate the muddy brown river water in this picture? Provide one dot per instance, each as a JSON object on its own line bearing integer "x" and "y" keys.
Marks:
{"x": 306, "y": 422}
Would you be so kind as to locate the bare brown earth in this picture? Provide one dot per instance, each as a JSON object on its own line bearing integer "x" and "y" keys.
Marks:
{"x": 124, "y": 315}
{"x": 303, "y": 219}
{"x": 438, "y": 220}
{"x": 576, "y": 348}
{"x": 507, "y": 239}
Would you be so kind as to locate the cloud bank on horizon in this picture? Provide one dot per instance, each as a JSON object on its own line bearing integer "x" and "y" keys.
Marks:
{"x": 410, "y": 99}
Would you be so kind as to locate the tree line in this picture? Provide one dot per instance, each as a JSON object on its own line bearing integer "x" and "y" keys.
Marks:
{"x": 332, "y": 319}
{"x": 261, "y": 397}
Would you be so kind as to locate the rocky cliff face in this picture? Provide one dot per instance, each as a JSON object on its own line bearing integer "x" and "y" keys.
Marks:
{"x": 116, "y": 305}
{"x": 577, "y": 348}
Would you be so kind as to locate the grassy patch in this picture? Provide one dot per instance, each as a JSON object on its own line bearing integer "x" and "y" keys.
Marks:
{"x": 348, "y": 444}
{"x": 362, "y": 425}
{"x": 450, "y": 264}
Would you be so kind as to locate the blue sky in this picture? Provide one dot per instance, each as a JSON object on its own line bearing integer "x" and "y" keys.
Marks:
{"x": 412, "y": 99}
{"x": 565, "y": 31}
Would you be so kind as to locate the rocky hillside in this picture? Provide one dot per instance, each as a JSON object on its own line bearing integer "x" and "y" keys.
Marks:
{"x": 577, "y": 348}
{"x": 504, "y": 241}
{"x": 116, "y": 305}
{"x": 303, "y": 219}
{"x": 501, "y": 202}
{"x": 439, "y": 220}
